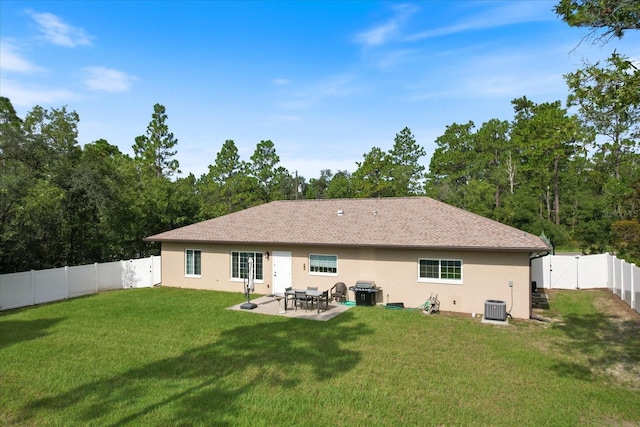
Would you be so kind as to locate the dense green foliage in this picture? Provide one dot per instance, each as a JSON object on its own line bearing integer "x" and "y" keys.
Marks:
{"x": 167, "y": 356}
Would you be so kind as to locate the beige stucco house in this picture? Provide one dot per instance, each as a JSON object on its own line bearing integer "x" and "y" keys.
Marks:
{"x": 410, "y": 246}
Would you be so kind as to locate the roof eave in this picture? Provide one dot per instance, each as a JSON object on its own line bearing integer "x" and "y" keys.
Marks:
{"x": 351, "y": 245}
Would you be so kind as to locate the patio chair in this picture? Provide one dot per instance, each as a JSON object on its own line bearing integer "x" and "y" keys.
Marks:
{"x": 289, "y": 296}
{"x": 339, "y": 292}
{"x": 301, "y": 299}
{"x": 323, "y": 301}
{"x": 311, "y": 299}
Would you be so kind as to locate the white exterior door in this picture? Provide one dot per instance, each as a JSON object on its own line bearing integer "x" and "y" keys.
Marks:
{"x": 281, "y": 271}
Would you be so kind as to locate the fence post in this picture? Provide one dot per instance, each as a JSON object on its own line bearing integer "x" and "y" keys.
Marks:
{"x": 633, "y": 288}
{"x": 33, "y": 287}
{"x": 66, "y": 282}
{"x": 95, "y": 266}
{"x": 613, "y": 275}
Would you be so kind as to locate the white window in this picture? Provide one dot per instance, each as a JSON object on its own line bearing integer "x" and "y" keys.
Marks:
{"x": 192, "y": 262}
{"x": 440, "y": 270}
{"x": 323, "y": 264}
{"x": 240, "y": 265}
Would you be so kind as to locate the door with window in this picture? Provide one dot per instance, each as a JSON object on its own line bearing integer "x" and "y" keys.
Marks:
{"x": 281, "y": 271}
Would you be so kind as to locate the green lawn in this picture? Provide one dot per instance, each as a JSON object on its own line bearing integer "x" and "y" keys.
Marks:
{"x": 166, "y": 356}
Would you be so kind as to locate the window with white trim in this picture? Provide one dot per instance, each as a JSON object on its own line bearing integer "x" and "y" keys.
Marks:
{"x": 240, "y": 265}
{"x": 440, "y": 270}
{"x": 192, "y": 262}
{"x": 323, "y": 264}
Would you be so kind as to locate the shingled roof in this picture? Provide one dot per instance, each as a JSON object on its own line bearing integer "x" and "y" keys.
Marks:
{"x": 402, "y": 222}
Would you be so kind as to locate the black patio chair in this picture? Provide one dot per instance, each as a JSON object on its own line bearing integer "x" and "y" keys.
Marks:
{"x": 288, "y": 296}
{"x": 310, "y": 298}
{"x": 301, "y": 299}
{"x": 339, "y": 291}
{"x": 323, "y": 301}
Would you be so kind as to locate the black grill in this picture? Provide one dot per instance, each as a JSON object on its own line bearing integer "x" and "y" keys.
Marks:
{"x": 365, "y": 292}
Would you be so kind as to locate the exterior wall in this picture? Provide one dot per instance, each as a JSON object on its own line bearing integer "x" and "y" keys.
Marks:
{"x": 486, "y": 275}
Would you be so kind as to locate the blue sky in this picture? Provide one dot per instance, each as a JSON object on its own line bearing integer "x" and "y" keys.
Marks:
{"x": 325, "y": 81}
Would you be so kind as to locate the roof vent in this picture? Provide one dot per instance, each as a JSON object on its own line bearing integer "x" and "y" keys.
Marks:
{"x": 340, "y": 212}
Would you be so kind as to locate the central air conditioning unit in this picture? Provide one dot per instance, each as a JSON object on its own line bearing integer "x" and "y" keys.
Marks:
{"x": 495, "y": 310}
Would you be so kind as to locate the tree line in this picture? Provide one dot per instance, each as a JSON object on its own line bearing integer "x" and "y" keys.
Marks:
{"x": 573, "y": 177}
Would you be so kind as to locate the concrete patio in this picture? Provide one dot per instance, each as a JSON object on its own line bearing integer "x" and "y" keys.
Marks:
{"x": 271, "y": 306}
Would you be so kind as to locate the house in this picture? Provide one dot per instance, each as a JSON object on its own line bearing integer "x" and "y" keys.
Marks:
{"x": 409, "y": 246}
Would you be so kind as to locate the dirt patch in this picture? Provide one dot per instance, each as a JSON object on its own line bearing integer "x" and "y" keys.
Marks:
{"x": 605, "y": 343}
{"x": 607, "y": 302}
{"x": 627, "y": 370}
{"x": 613, "y": 306}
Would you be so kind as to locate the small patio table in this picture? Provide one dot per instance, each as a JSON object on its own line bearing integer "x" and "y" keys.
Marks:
{"x": 315, "y": 296}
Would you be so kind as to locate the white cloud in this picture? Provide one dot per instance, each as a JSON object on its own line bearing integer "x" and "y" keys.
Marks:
{"x": 281, "y": 82}
{"x": 378, "y": 35}
{"x": 336, "y": 86}
{"x": 393, "y": 58}
{"x": 12, "y": 60}
{"x": 58, "y": 32}
{"x": 384, "y": 32}
{"x": 28, "y": 96}
{"x": 495, "y": 77}
{"x": 507, "y": 13}
{"x": 107, "y": 80}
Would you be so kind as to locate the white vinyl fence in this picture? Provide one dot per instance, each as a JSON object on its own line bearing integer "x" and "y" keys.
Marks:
{"x": 588, "y": 272}
{"x": 37, "y": 287}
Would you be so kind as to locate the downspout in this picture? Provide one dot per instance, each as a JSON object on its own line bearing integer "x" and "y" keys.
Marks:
{"x": 531, "y": 258}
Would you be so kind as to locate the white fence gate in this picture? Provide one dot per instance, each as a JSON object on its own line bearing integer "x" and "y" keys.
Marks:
{"x": 588, "y": 272}
{"x": 37, "y": 287}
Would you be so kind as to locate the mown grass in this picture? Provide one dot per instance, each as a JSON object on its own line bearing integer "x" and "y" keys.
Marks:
{"x": 167, "y": 356}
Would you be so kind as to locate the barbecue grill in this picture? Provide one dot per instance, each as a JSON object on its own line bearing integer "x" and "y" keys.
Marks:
{"x": 365, "y": 292}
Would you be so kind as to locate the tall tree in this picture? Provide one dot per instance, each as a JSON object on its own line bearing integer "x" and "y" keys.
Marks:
{"x": 549, "y": 138}
{"x": 264, "y": 162}
{"x": 452, "y": 164}
{"x": 15, "y": 181}
{"x": 340, "y": 186}
{"x": 472, "y": 169}
{"x": 608, "y": 99}
{"x": 54, "y": 154}
{"x": 373, "y": 177}
{"x": 227, "y": 163}
{"x": 184, "y": 204}
{"x": 40, "y": 237}
{"x": 13, "y": 173}
{"x": 626, "y": 236}
{"x": 155, "y": 149}
{"x": 406, "y": 170}
{"x": 317, "y": 187}
{"x": 285, "y": 186}
{"x": 495, "y": 155}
